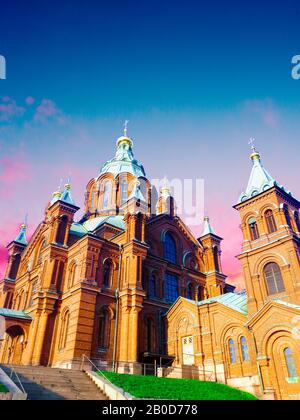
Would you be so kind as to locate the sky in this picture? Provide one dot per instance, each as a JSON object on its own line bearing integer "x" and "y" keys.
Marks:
{"x": 196, "y": 79}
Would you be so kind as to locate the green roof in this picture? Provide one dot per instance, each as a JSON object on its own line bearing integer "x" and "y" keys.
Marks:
{"x": 93, "y": 224}
{"x": 236, "y": 301}
{"x": 14, "y": 314}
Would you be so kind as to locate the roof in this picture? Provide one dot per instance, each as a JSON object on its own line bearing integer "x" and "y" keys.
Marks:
{"x": 260, "y": 180}
{"x": 236, "y": 301}
{"x": 14, "y": 314}
{"x": 123, "y": 162}
{"x": 207, "y": 228}
{"x": 21, "y": 237}
{"x": 289, "y": 305}
{"x": 91, "y": 225}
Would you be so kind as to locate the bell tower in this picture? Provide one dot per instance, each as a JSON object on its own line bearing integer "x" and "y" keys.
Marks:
{"x": 271, "y": 239}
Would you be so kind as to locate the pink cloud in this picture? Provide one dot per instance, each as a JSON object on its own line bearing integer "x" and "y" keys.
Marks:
{"x": 48, "y": 111}
{"x": 13, "y": 169}
{"x": 9, "y": 109}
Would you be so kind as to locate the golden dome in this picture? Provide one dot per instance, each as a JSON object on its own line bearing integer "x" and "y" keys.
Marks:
{"x": 255, "y": 155}
{"x": 124, "y": 140}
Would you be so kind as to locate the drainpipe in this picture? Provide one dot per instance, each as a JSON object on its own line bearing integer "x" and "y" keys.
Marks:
{"x": 117, "y": 295}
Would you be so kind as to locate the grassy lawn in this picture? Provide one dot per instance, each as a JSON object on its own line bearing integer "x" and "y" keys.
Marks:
{"x": 3, "y": 388}
{"x": 175, "y": 389}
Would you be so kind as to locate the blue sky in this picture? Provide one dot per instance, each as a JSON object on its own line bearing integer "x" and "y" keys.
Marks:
{"x": 196, "y": 79}
{"x": 117, "y": 57}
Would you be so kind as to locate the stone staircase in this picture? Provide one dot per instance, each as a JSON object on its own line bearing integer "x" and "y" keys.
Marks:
{"x": 45, "y": 383}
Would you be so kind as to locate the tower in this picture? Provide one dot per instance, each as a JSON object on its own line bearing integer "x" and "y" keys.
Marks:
{"x": 212, "y": 253}
{"x": 15, "y": 249}
{"x": 271, "y": 240}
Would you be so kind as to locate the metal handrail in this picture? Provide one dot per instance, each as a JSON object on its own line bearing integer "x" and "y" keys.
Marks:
{"x": 12, "y": 371}
{"x": 97, "y": 369}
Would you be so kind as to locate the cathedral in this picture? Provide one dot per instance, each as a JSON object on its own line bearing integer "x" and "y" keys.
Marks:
{"x": 129, "y": 284}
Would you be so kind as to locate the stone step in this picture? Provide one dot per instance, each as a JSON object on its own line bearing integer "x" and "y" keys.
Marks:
{"x": 44, "y": 383}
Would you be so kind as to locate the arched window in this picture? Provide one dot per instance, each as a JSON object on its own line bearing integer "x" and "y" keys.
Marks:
{"x": 40, "y": 259}
{"x": 290, "y": 363}
{"x": 61, "y": 229}
{"x": 104, "y": 329}
{"x": 124, "y": 192}
{"x": 297, "y": 220}
{"x": 190, "y": 293}
{"x": 152, "y": 286}
{"x": 216, "y": 258}
{"x": 170, "y": 249}
{"x": 244, "y": 349}
{"x": 171, "y": 284}
{"x": 8, "y": 300}
{"x": 107, "y": 273}
{"x": 271, "y": 225}
{"x": 65, "y": 320}
{"x": 287, "y": 216}
{"x": 106, "y": 195}
{"x": 92, "y": 202}
{"x": 254, "y": 234}
{"x": 232, "y": 354}
{"x": 273, "y": 279}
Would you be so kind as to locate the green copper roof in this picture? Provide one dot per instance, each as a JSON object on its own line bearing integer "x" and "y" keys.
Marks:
{"x": 236, "y": 301}
{"x": 93, "y": 224}
{"x": 123, "y": 161}
{"x": 14, "y": 314}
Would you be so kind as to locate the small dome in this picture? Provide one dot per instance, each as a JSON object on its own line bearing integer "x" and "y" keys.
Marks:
{"x": 124, "y": 140}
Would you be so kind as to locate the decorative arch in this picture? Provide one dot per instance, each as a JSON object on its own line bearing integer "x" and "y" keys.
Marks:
{"x": 108, "y": 272}
{"x": 73, "y": 273}
{"x": 267, "y": 258}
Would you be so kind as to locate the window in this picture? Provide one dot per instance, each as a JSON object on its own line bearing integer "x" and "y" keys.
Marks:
{"x": 106, "y": 195}
{"x": 232, "y": 354}
{"x": 124, "y": 192}
{"x": 65, "y": 320}
{"x": 273, "y": 279}
{"x": 216, "y": 258}
{"x": 152, "y": 286}
{"x": 92, "y": 202}
{"x": 104, "y": 330}
{"x": 297, "y": 221}
{"x": 244, "y": 349}
{"x": 33, "y": 292}
{"x": 171, "y": 288}
{"x": 190, "y": 293}
{"x": 170, "y": 248}
{"x": 150, "y": 335}
{"x": 200, "y": 294}
{"x": 287, "y": 216}
{"x": 290, "y": 363}
{"x": 61, "y": 230}
{"x": 271, "y": 225}
{"x": 254, "y": 234}
{"x": 107, "y": 271}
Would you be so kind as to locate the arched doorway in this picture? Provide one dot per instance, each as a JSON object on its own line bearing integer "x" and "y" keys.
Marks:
{"x": 13, "y": 345}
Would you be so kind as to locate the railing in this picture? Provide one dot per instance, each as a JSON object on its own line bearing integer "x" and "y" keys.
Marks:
{"x": 97, "y": 369}
{"x": 149, "y": 369}
{"x": 12, "y": 371}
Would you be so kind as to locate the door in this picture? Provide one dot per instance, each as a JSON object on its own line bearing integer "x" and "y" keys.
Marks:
{"x": 188, "y": 357}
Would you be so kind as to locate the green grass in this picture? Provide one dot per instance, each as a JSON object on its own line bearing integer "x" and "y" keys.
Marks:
{"x": 174, "y": 389}
{"x": 3, "y": 388}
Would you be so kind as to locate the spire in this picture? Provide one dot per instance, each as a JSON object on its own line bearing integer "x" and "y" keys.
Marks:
{"x": 21, "y": 237}
{"x": 260, "y": 180}
{"x": 66, "y": 195}
{"x": 207, "y": 227}
{"x": 136, "y": 192}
